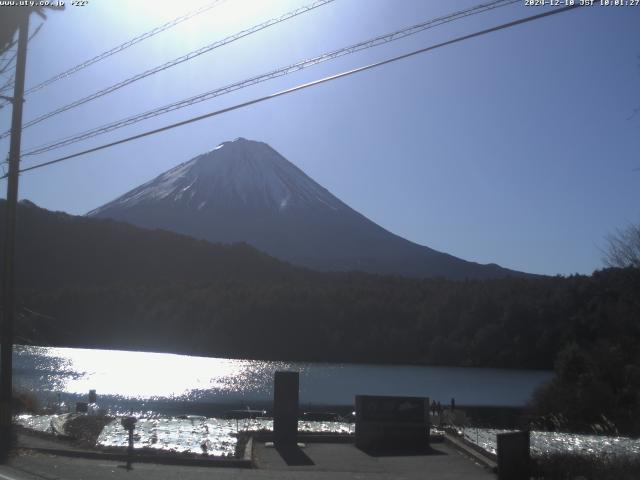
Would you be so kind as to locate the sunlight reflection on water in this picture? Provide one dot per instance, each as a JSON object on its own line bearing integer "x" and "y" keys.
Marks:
{"x": 210, "y": 436}
{"x": 166, "y": 377}
{"x": 143, "y": 374}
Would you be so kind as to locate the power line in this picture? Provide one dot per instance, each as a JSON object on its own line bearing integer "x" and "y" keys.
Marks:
{"x": 7, "y": 56}
{"x": 9, "y": 81}
{"x": 177, "y": 61}
{"x": 11, "y": 44}
{"x": 374, "y": 42}
{"x": 124, "y": 46}
{"x": 5, "y": 69}
{"x": 305, "y": 86}
{"x": 10, "y": 74}
{"x": 31, "y": 37}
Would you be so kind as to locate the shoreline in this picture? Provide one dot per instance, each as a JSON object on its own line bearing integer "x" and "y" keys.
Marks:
{"x": 543, "y": 462}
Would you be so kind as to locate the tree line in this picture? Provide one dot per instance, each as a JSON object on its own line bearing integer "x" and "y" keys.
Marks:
{"x": 98, "y": 283}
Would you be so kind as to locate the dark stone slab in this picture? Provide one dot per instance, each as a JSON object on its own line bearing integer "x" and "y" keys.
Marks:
{"x": 513, "y": 455}
{"x": 285, "y": 407}
{"x": 394, "y": 424}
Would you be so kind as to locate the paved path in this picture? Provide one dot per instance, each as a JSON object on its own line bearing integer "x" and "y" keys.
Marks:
{"x": 346, "y": 461}
{"x": 324, "y": 461}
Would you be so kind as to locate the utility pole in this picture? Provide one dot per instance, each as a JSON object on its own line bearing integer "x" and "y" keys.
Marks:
{"x": 8, "y": 274}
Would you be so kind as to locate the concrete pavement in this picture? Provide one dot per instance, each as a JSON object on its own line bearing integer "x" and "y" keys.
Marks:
{"x": 319, "y": 461}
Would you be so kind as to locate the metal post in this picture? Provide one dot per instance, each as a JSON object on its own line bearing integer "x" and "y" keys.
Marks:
{"x": 129, "y": 423}
{"x": 8, "y": 294}
{"x": 130, "y": 449}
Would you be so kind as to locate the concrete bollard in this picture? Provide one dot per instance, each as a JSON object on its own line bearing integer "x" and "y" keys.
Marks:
{"x": 285, "y": 407}
{"x": 513, "y": 455}
{"x": 392, "y": 423}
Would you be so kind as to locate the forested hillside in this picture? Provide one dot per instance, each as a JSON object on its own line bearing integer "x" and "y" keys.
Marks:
{"x": 98, "y": 283}
{"x": 104, "y": 283}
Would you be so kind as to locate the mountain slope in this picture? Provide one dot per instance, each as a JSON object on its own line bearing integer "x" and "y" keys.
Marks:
{"x": 55, "y": 249}
{"x": 96, "y": 283}
{"x": 245, "y": 191}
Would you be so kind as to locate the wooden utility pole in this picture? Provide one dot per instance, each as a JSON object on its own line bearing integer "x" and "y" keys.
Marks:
{"x": 8, "y": 274}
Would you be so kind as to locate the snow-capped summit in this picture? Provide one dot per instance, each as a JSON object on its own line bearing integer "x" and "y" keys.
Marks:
{"x": 245, "y": 191}
{"x": 241, "y": 173}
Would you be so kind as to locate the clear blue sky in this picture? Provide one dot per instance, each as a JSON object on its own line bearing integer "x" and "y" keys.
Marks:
{"x": 515, "y": 148}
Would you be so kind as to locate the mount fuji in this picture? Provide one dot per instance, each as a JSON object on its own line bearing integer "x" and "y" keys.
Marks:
{"x": 245, "y": 191}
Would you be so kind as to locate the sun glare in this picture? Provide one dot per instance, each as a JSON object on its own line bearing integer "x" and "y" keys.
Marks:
{"x": 231, "y": 12}
{"x": 144, "y": 375}
{"x": 224, "y": 17}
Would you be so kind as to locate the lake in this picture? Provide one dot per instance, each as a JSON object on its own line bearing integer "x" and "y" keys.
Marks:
{"x": 143, "y": 381}
{"x": 156, "y": 387}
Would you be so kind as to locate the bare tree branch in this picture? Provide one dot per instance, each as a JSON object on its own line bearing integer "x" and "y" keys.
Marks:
{"x": 623, "y": 248}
